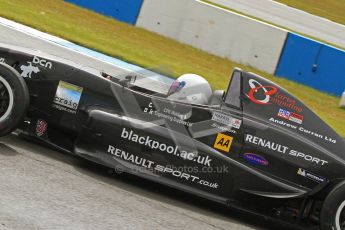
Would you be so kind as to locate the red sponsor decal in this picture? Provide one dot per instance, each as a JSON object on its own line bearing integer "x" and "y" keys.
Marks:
{"x": 267, "y": 91}
{"x": 296, "y": 118}
{"x": 265, "y": 95}
{"x": 41, "y": 127}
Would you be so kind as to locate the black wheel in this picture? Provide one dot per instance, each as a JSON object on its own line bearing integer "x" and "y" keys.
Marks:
{"x": 333, "y": 209}
{"x": 14, "y": 99}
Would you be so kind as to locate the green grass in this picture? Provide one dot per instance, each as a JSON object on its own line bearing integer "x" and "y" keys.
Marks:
{"x": 333, "y": 10}
{"x": 149, "y": 50}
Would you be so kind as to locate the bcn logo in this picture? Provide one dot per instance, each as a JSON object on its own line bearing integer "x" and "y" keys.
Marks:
{"x": 42, "y": 62}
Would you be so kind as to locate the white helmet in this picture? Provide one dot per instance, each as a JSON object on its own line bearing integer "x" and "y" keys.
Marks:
{"x": 190, "y": 88}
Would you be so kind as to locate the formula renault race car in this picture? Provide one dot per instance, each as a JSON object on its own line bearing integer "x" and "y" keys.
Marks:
{"x": 254, "y": 146}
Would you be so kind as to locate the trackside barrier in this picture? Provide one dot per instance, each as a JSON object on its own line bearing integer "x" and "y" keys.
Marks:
{"x": 234, "y": 36}
{"x": 342, "y": 101}
{"x": 216, "y": 31}
{"x": 314, "y": 64}
{"x": 122, "y": 10}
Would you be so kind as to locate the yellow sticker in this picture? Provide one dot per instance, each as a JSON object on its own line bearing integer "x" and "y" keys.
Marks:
{"x": 223, "y": 142}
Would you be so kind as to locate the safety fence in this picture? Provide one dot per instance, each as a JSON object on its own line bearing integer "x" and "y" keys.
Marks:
{"x": 234, "y": 36}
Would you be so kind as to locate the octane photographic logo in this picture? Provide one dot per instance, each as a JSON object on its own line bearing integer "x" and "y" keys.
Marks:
{"x": 148, "y": 165}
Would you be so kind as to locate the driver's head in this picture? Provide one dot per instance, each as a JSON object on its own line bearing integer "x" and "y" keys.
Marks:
{"x": 190, "y": 88}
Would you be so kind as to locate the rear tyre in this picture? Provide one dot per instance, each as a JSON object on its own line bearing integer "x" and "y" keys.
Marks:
{"x": 333, "y": 209}
{"x": 14, "y": 99}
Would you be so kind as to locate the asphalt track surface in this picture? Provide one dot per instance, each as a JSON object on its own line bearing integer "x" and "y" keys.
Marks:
{"x": 290, "y": 18}
{"x": 46, "y": 189}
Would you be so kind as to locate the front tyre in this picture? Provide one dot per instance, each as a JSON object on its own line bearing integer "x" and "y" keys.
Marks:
{"x": 14, "y": 99}
{"x": 333, "y": 209}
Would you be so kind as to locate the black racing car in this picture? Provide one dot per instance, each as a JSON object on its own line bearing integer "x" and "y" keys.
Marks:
{"x": 254, "y": 146}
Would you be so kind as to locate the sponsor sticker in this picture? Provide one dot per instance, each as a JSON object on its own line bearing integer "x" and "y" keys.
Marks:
{"x": 310, "y": 175}
{"x": 31, "y": 66}
{"x": 260, "y": 94}
{"x": 41, "y": 127}
{"x": 226, "y": 120}
{"x": 151, "y": 143}
{"x": 185, "y": 176}
{"x": 67, "y": 97}
{"x": 290, "y": 116}
{"x": 296, "y": 118}
{"x": 304, "y": 130}
{"x": 179, "y": 115}
{"x": 117, "y": 153}
{"x": 169, "y": 115}
{"x": 223, "y": 142}
{"x": 28, "y": 70}
{"x": 279, "y": 148}
{"x": 41, "y": 62}
{"x": 255, "y": 159}
{"x": 223, "y": 128}
{"x": 265, "y": 95}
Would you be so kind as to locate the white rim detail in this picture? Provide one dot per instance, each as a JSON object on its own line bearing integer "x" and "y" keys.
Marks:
{"x": 11, "y": 96}
{"x": 337, "y": 216}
